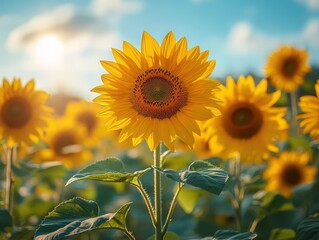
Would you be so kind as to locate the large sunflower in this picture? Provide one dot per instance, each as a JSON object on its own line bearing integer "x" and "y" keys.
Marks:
{"x": 23, "y": 113}
{"x": 65, "y": 144}
{"x": 288, "y": 171}
{"x": 248, "y": 122}
{"x": 158, "y": 94}
{"x": 84, "y": 113}
{"x": 309, "y": 105}
{"x": 286, "y": 68}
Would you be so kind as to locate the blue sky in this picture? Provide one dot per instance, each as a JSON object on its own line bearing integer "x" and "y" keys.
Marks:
{"x": 60, "y": 43}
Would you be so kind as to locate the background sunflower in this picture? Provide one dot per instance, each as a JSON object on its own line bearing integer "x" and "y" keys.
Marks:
{"x": 23, "y": 112}
{"x": 286, "y": 67}
{"x": 248, "y": 122}
{"x": 84, "y": 113}
{"x": 287, "y": 171}
{"x": 65, "y": 144}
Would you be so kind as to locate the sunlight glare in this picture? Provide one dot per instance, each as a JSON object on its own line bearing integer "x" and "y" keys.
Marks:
{"x": 48, "y": 49}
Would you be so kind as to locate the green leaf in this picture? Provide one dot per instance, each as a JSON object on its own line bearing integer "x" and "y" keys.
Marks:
{"x": 188, "y": 198}
{"x": 47, "y": 170}
{"x": 2, "y": 236}
{"x": 282, "y": 234}
{"x": 178, "y": 160}
{"x": 297, "y": 143}
{"x": 26, "y": 208}
{"x": 231, "y": 235}
{"x": 168, "y": 236}
{"x": 108, "y": 170}
{"x": 308, "y": 228}
{"x": 52, "y": 170}
{"x": 5, "y": 221}
{"x": 200, "y": 174}
{"x": 268, "y": 203}
{"x": 77, "y": 216}
{"x": 23, "y": 233}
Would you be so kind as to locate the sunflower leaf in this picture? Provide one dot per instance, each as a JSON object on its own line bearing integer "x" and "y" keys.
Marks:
{"x": 188, "y": 198}
{"x": 108, "y": 170}
{"x": 77, "y": 216}
{"x": 200, "y": 174}
{"x": 308, "y": 228}
{"x": 268, "y": 203}
{"x": 231, "y": 235}
{"x": 282, "y": 234}
{"x": 6, "y": 223}
{"x": 168, "y": 236}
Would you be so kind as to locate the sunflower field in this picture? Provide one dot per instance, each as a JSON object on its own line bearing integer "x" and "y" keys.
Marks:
{"x": 164, "y": 151}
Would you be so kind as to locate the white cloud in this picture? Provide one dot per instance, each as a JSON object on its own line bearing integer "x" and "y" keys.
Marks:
{"x": 81, "y": 40}
{"x": 21, "y": 37}
{"x": 243, "y": 38}
{"x": 65, "y": 22}
{"x": 310, "y": 34}
{"x": 311, "y": 4}
{"x": 116, "y": 7}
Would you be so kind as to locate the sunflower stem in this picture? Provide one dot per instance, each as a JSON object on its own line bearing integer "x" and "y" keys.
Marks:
{"x": 294, "y": 110}
{"x": 157, "y": 194}
{"x": 236, "y": 201}
{"x": 254, "y": 225}
{"x": 171, "y": 208}
{"x": 147, "y": 202}
{"x": 129, "y": 235}
{"x": 9, "y": 155}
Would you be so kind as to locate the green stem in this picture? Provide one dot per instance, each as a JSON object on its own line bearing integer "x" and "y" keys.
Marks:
{"x": 157, "y": 194}
{"x": 171, "y": 208}
{"x": 9, "y": 155}
{"x": 254, "y": 225}
{"x": 148, "y": 203}
{"x": 238, "y": 193}
{"x": 129, "y": 235}
{"x": 235, "y": 205}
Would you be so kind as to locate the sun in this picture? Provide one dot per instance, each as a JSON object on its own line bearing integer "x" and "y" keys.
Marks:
{"x": 48, "y": 49}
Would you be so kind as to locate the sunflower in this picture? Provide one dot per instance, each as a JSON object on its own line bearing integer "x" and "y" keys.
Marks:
{"x": 288, "y": 171}
{"x": 286, "y": 68}
{"x": 84, "y": 113}
{"x": 23, "y": 113}
{"x": 248, "y": 122}
{"x": 309, "y": 105}
{"x": 158, "y": 94}
{"x": 65, "y": 144}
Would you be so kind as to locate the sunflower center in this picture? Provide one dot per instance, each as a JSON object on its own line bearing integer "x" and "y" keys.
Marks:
{"x": 157, "y": 89}
{"x": 291, "y": 175}
{"x": 16, "y": 112}
{"x": 242, "y": 121}
{"x": 88, "y": 119}
{"x": 63, "y": 140}
{"x": 290, "y": 67}
{"x": 158, "y": 94}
